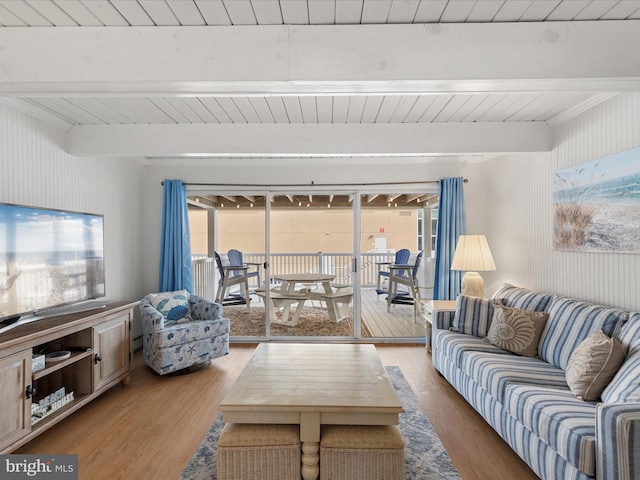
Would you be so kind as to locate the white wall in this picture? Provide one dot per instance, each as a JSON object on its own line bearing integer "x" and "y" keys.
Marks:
{"x": 520, "y": 212}
{"x": 35, "y": 170}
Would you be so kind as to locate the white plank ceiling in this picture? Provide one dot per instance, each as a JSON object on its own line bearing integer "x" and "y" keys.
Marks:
{"x": 501, "y": 107}
{"x": 69, "y": 109}
{"x": 89, "y": 13}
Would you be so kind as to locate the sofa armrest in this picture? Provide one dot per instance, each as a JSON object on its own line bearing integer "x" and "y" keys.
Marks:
{"x": 617, "y": 441}
{"x": 203, "y": 309}
{"x": 443, "y": 320}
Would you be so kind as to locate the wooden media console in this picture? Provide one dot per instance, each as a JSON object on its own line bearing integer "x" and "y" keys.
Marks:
{"x": 101, "y": 350}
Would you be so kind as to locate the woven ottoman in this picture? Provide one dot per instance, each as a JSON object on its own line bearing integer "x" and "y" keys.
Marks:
{"x": 361, "y": 452}
{"x": 256, "y": 451}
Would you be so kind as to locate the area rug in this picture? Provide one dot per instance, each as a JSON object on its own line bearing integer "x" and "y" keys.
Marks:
{"x": 313, "y": 322}
{"x": 424, "y": 455}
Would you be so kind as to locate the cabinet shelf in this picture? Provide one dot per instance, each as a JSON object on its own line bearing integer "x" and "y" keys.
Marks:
{"x": 75, "y": 356}
{"x": 44, "y": 421}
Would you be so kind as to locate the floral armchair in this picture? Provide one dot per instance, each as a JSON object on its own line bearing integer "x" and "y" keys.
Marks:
{"x": 181, "y": 331}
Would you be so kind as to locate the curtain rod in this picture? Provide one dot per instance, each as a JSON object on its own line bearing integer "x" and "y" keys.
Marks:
{"x": 312, "y": 184}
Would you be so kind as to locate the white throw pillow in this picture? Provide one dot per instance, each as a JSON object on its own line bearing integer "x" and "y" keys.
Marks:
{"x": 593, "y": 364}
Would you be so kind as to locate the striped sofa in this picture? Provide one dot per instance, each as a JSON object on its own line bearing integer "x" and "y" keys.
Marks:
{"x": 527, "y": 400}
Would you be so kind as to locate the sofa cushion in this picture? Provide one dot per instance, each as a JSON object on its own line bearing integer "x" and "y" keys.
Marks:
{"x": 625, "y": 386}
{"x": 629, "y": 335}
{"x": 473, "y": 315}
{"x": 565, "y": 423}
{"x": 165, "y": 301}
{"x": 570, "y": 322}
{"x": 518, "y": 297}
{"x": 495, "y": 372}
{"x": 453, "y": 345}
{"x": 516, "y": 329}
{"x": 593, "y": 364}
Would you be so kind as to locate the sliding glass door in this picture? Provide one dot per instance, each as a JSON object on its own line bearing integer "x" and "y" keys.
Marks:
{"x": 310, "y": 265}
{"x": 397, "y": 265}
{"x": 228, "y": 249}
{"x": 316, "y": 266}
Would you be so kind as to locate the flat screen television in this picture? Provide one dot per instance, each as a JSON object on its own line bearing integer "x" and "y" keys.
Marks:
{"x": 48, "y": 258}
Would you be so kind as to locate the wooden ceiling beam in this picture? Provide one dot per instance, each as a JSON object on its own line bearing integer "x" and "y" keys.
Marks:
{"x": 348, "y": 59}
{"x": 232, "y": 140}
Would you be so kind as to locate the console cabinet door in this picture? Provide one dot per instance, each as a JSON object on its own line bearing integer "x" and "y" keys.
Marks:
{"x": 112, "y": 347}
{"x": 15, "y": 408}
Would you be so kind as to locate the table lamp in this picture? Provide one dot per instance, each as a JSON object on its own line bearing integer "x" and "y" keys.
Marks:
{"x": 472, "y": 255}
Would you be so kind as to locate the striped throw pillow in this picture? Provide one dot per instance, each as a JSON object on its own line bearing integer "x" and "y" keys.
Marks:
{"x": 473, "y": 315}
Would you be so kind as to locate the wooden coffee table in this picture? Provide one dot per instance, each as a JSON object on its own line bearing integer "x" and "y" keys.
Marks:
{"x": 311, "y": 385}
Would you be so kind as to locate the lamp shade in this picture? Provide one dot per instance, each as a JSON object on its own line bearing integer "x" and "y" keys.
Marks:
{"x": 472, "y": 254}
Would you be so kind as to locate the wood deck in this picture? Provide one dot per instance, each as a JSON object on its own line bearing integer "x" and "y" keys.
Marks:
{"x": 399, "y": 323}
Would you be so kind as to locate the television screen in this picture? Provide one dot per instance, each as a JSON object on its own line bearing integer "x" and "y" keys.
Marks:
{"x": 48, "y": 258}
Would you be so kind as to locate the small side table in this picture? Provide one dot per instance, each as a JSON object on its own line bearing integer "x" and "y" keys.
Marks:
{"x": 433, "y": 308}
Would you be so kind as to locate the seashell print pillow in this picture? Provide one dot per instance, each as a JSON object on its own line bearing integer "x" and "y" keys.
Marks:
{"x": 516, "y": 330}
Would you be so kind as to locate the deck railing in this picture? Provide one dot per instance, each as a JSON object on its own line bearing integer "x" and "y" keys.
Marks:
{"x": 205, "y": 274}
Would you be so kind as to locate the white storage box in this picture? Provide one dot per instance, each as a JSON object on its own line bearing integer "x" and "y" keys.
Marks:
{"x": 37, "y": 363}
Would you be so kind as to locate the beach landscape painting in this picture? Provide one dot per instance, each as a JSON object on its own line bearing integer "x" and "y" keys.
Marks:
{"x": 597, "y": 205}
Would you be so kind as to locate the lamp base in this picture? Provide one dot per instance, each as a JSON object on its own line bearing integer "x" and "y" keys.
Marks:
{"x": 472, "y": 285}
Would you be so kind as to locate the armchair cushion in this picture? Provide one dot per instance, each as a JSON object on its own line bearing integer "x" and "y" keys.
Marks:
{"x": 178, "y": 314}
{"x": 165, "y": 301}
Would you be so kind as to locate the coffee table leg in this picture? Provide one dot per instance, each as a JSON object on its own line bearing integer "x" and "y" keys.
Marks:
{"x": 310, "y": 460}
{"x": 310, "y": 438}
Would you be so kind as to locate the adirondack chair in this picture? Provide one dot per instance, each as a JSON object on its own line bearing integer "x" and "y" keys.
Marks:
{"x": 236, "y": 258}
{"x": 228, "y": 278}
{"x": 401, "y": 258}
{"x": 407, "y": 277}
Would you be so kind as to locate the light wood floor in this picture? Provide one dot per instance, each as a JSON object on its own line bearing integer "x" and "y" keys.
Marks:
{"x": 150, "y": 428}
